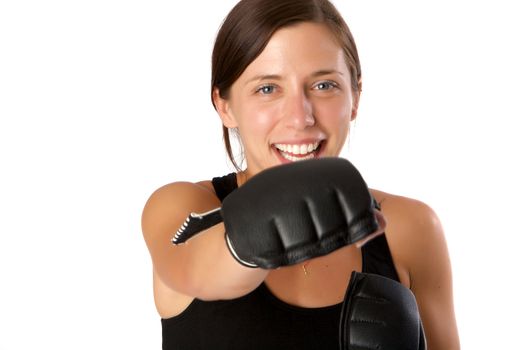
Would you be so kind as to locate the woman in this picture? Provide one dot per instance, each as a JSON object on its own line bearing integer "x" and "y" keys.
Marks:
{"x": 286, "y": 79}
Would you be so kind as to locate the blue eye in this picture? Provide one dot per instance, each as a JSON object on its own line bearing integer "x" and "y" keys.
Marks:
{"x": 266, "y": 89}
{"x": 325, "y": 85}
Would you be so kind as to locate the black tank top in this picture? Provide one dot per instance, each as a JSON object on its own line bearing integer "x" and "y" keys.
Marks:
{"x": 259, "y": 320}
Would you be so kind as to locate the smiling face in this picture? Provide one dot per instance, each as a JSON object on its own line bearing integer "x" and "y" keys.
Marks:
{"x": 294, "y": 101}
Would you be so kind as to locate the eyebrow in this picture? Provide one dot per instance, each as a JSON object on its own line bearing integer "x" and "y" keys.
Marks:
{"x": 279, "y": 77}
{"x": 264, "y": 77}
{"x": 326, "y": 72}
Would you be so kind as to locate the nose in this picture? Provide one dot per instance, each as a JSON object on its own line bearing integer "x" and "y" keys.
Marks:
{"x": 299, "y": 111}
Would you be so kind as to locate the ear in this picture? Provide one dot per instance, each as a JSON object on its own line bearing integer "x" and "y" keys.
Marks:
{"x": 223, "y": 108}
{"x": 356, "y": 99}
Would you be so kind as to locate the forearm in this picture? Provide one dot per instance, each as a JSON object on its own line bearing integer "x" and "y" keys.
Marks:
{"x": 204, "y": 268}
{"x": 212, "y": 270}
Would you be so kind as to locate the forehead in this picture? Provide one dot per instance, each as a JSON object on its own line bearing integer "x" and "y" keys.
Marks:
{"x": 298, "y": 48}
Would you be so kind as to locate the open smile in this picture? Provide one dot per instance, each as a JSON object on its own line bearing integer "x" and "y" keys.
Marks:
{"x": 298, "y": 151}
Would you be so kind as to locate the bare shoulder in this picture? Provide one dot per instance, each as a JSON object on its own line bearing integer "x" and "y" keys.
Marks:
{"x": 170, "y": 204}
{"x": 420, "y": 254}
{"x": 405, "y": 211}
{"x": 414, "y": 232}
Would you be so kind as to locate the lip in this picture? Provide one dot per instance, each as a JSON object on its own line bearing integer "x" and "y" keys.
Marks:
{"x": 298, "y": 142}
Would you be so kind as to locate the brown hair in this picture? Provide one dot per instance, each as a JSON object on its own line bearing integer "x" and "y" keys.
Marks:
{"x": 250, "y": 25}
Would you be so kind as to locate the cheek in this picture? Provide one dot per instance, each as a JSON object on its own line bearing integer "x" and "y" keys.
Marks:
{"x": 259, "y": 120}
{"x": 336, "y": 114}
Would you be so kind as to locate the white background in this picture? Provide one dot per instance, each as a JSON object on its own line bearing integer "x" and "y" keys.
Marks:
{"x": 101, "y": 102}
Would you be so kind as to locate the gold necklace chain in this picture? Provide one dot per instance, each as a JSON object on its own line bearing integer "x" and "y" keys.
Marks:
{"x": 304, "y": 267}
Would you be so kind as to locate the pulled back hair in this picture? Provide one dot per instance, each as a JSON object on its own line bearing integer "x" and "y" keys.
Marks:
{"x": 250, "y": 25}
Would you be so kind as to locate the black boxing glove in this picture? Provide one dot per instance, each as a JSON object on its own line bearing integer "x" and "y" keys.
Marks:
{"x": 379, "y": 313}
{"x": 290, "y": 213}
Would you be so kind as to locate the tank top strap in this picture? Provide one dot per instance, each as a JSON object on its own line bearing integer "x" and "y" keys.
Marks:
{"x": 376, "y": 256}
{"x": 223, "y": 185}
{"x": 377, "y": 259}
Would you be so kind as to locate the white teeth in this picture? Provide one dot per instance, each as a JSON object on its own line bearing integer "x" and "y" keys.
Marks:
{"x": 294, "y": 159}
{"x": 297, "y": 151}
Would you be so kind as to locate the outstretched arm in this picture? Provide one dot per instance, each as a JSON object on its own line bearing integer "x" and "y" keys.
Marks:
{"x": 203, "y": 267}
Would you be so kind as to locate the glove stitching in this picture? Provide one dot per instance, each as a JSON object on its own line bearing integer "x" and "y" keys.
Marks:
{"x": 377, "y": 300}
{"x": 382, "y": 323}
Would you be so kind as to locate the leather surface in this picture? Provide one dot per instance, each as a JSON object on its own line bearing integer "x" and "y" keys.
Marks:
{"x": 380, "y": 313}
{"x": 290, "y": 213}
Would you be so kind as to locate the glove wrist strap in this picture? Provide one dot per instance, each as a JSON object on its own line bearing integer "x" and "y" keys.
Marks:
{"x": 235, "y": 256}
